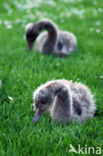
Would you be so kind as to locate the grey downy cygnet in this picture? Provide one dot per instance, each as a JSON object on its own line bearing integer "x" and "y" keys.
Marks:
{"x": 55, "y": 41}
{"x": 64, "y": 100}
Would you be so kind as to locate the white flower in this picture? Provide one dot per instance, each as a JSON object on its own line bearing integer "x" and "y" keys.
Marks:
{"x": 10, "y": 98}
{"x": 98, "y": 23}
{"x": 17, "y": 21}
{"x": 95, "y": 3}
{"x": 100, "y": 9}
{"x": 9, "y": 26}
{"x": 97, "y": 30}
{"x": 6, "y": 22}
{"x": 91, "y": 29}
{"x": 101, "y": 77}
{"x": 68, "y": 14}
{"x": 52, "y": 3}
{"x": 9, "y": 12}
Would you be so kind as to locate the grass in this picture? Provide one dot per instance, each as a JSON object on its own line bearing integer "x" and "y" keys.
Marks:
{"x": 22, "y": 72}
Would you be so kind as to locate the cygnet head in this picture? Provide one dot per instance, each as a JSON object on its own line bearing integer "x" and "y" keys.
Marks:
{"x": 43, "y": 100}
{"x": 32, "y": 31}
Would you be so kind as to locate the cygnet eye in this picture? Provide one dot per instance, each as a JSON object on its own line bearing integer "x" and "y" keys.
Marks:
{"x": 43, "y": 102}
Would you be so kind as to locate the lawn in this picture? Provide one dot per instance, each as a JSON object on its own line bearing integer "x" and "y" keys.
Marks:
{"x": 22, "y": 72}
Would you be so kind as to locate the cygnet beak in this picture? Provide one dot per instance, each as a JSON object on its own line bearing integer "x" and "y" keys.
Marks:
{"x": 37, "y": 115}
{"x": 30, "y": 44}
